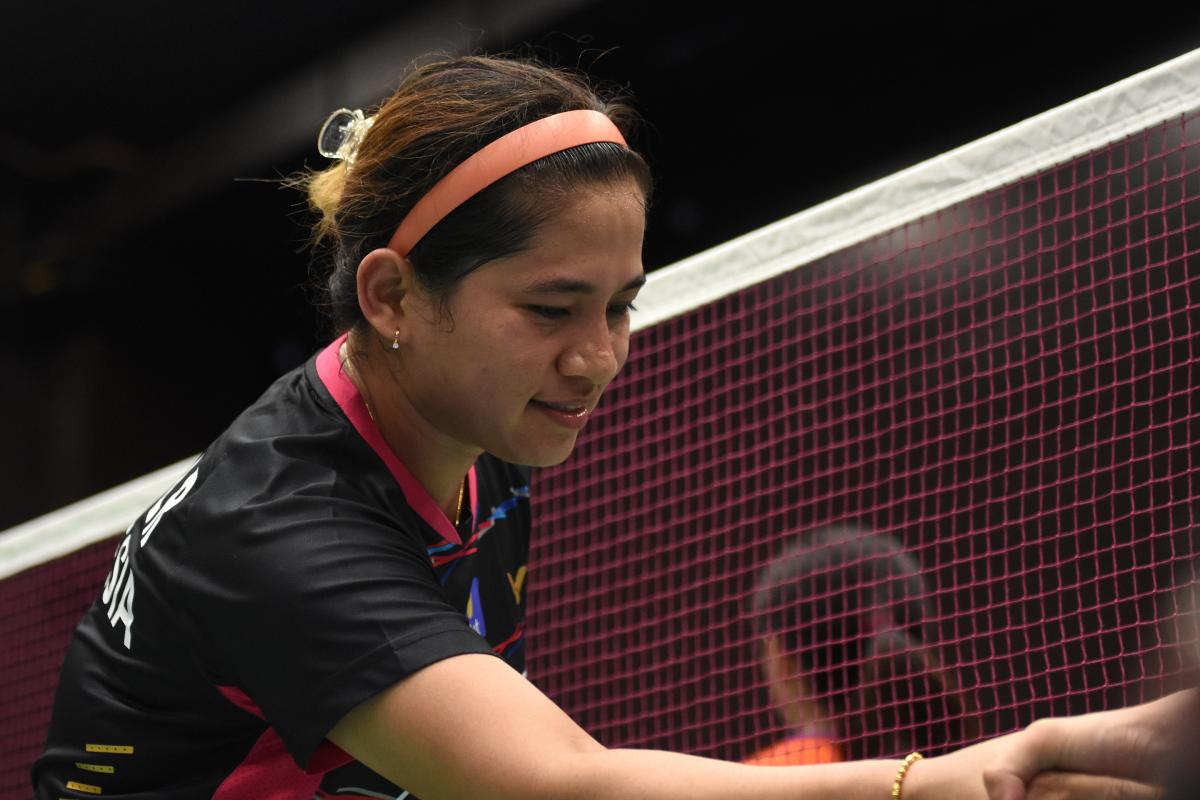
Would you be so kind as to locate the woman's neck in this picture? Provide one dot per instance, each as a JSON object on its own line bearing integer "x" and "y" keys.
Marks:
{"x": 439, "y": 463}
{"x": 806, "y": 717}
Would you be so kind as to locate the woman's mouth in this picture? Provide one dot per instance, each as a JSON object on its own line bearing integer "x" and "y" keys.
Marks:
{"x": 569, "y": 415}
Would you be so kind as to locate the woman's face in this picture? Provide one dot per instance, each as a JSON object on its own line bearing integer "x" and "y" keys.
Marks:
{"x": 546, "y": 327}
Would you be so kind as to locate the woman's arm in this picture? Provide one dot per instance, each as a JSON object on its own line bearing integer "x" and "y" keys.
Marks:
{"x": 470, "y": 727}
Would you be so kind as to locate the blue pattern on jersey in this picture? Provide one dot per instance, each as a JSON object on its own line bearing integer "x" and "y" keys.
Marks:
{"x": 446, "y": 573}
{"x": 475, "y": 610}
{"x": 498, "y": 513}
{"x": 514, "y": 647}
{"x": 501, "y": 511}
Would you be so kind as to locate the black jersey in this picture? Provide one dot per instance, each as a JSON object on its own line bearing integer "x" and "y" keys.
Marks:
{"x": 297, "y": 570}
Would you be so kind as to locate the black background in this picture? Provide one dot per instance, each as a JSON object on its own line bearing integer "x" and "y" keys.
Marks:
{"x": 129, "y": 344}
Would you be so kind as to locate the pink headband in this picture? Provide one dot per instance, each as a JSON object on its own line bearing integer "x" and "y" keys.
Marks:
{"x": 504, "y": 156}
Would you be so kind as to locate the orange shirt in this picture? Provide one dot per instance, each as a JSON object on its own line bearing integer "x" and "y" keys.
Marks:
{"x": 797, "y": 751}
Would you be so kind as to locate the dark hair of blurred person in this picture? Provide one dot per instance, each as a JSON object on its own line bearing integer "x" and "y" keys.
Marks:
{"x": 841, "y": 618}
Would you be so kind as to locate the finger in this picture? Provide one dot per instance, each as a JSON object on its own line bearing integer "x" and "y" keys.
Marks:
{"x": 1168, "y": 712}
{"x": 1003, "y": 785}
{"x": 1076, "y": 786}
{"x": 1134, "y": 752}
{"x": 1040, "y": 750}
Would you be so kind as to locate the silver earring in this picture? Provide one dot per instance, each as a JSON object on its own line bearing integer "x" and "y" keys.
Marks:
{"x": 396, "y": 340}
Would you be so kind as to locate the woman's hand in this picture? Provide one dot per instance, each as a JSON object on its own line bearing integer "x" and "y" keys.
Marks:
{"x": 1120, "y": 754}
{"x": 1109, "y": 755}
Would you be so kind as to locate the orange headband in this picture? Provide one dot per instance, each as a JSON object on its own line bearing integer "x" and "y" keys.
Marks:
{"x": 504, "y": 156}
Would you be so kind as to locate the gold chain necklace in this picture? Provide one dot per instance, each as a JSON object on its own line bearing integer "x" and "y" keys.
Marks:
{"x": 462, "y": 489}
{"x": 348, "y": 366}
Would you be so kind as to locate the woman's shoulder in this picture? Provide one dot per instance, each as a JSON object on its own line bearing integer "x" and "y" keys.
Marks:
{"x": 292, "y": 444}
{"x": 295, "y": 406}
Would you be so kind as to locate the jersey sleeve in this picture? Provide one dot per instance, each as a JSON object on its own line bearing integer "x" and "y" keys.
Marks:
{"x": 311, "y": 602}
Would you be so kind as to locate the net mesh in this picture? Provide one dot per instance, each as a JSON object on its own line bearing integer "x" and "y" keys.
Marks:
{"x": 920, "y": 490}
{"x": 1006, "y": 388}
{"x": 38, "y": 610}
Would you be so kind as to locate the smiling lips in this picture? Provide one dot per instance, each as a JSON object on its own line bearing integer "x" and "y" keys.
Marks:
{"x": 572, "y": 408}
{"x": 569, "y": 415}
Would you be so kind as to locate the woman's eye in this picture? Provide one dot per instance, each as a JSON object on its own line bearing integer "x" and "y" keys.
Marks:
{"x": 556, "y": 312}
{"x": 549, "y": 312}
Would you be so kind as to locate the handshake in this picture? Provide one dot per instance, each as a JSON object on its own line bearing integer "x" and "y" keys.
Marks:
{"x": 1145, "y": 752}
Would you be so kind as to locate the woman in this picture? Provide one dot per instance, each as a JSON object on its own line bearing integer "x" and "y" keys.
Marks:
{"x": 337, "y": 575}
{"x": 840, "y": 618}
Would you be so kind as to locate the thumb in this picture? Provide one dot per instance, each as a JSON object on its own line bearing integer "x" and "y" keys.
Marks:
{"x": 1029, "y": 752}
{"x": 1003, "y": 785}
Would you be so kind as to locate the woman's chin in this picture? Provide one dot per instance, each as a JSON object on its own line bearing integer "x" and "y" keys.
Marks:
{"x": 546, "y": 456}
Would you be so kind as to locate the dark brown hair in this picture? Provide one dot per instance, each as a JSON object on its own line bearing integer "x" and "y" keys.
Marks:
{"x": 442, "y": 113}
{"x": 850, "y": 606}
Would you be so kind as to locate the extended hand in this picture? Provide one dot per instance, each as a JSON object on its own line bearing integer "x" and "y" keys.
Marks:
{"x": 1111, "y": 754}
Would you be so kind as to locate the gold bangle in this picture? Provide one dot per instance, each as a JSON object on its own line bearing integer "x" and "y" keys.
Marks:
{"x": 905, "y": 765}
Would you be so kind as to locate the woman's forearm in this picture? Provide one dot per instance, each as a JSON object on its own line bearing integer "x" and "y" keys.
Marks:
{"x": 451, "y": 731}
{"x": 659, "y": 775}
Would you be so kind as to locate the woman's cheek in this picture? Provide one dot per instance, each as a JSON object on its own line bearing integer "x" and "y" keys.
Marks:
{"x": 621, "y": 350}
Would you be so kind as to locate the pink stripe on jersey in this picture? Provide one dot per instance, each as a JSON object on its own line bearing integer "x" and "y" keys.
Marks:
{"x": 472, "y": 497}
{"x": 241, "y": 700}
{"x": 346, "y": 394}
{"x": 268, "y": 771}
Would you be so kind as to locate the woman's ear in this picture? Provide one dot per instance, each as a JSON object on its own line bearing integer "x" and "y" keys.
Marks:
{"x": 386, "y": 284}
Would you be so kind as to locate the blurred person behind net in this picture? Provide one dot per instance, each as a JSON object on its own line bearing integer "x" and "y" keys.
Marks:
{"x": 847, "y": 655}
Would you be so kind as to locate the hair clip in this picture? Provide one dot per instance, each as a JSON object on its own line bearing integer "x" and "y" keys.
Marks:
{"x": 341, "y": 134}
